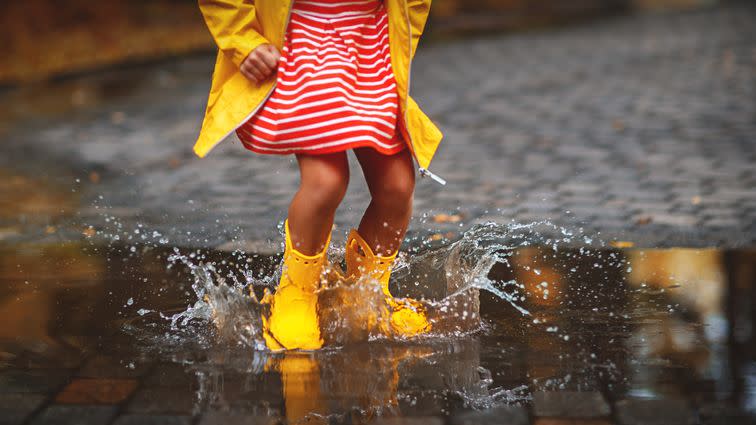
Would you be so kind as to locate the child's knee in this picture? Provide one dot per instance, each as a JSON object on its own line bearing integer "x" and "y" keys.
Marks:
{"x": 396, "y": 190}
{"x": 326, "y": 190}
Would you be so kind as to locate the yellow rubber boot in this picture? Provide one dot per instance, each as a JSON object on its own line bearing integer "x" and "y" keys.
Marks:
{"x": 408, "y": 316}
{"x": 293, "y": 322}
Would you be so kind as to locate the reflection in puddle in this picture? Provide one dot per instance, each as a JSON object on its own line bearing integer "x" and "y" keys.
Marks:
{"x": 516, "y": 314}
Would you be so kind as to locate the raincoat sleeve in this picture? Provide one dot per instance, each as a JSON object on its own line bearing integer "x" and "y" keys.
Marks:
{"x": 234, "y": 26}
{"x": 418, "y": 15}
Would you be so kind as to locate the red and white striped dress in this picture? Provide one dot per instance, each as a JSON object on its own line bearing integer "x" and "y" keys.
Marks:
{"x": 335, "y": 88}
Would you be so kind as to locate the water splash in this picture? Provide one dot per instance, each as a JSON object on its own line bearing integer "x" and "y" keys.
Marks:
{"x": 447, "y": 279}
{"x": 482, "y": 396}
{"x": 231, "y": 306}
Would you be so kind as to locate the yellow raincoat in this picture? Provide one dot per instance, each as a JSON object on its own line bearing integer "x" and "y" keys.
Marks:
{"x": 239, "y": 26}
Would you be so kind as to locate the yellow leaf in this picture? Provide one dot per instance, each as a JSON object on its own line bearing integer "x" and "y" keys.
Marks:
{"x": 89, "y": 232}
{"x": 622, "y": 244}
{"x": 446, "y": 218}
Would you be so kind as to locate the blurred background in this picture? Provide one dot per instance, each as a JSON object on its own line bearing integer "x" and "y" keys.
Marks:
{"x": 630, "y": 119}
{"x": 48, "y": 38}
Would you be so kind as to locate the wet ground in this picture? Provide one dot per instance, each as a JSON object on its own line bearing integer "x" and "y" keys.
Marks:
{"x": 568, "y": 336}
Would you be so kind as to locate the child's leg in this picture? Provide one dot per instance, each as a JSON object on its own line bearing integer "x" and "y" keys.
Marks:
{"x": 391, "y": 181}
{"x": 323, "y": 183}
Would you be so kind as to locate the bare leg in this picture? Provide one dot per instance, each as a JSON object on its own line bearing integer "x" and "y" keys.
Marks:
{"x": 323, "y": 183}
{"x": 391, "y": 180}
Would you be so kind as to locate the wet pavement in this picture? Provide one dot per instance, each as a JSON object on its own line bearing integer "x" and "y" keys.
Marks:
{"x": 639, "y": 127}
{"x": 586, "y": 337}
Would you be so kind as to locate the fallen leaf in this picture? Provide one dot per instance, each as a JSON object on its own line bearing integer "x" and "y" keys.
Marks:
{"x": 695, "y": 200}
{"x": 50, "y": 230}
{"x": 117, "y": 117}
{"x": 89, "y": 232}
{"x": 622, "y": 244}
{"x": 642, "y": 221}
{"x": 79, "y": 97}
{"x": 447, "y": 218}
{"x": 94, "y": 177}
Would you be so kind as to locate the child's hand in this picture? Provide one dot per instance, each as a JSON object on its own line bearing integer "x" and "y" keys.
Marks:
{"x": 261, "y": 62}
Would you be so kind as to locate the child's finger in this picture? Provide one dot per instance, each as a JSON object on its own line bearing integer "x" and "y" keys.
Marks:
{"x": 271, "y": 58}
{"x": 269, "y": 61}
{"x": 276, "y": 53}
{"x": 250, "y": 71}
{"x": 249, "y": 75}
{"x": 261, "y": 68}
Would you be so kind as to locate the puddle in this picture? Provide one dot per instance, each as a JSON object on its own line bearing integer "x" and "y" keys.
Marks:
{"x": 177, "y": 330}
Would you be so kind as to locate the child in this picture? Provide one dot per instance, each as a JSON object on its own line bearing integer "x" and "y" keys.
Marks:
{"x": 315, "y": 78}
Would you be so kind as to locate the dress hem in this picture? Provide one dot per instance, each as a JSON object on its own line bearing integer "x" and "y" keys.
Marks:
{"x": 334, "y": 149}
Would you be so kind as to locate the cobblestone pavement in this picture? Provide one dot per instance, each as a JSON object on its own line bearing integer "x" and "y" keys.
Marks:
{"x": 163, "y": 401}
{"x": 165, "y": 393}
{"x": 642, "y": 128}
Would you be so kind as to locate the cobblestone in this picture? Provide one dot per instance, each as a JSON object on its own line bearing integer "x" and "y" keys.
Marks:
{"x": 510, "y": 415}
{"x": 567, "y": 421}
{"x": 643, "y": 113}
{"x": 713, "y": 414}
{"x": 75, "y": 414}
{"x": 409, "y": 421}
{"x": 101, "y": 366}
{"x": 31, "y": 381}
{"x": 653, "y": 412}
{"x": 681, "y": 220}
{"x": 161, "y": 401}
{"x": 220, "y": 418}
{"x": 14, "y": 408}
{"x": 153, "y": 420}
{"x": 168, "y": 375}
{"x": 570, "y": 404}
{"x": 96, "y": 391}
